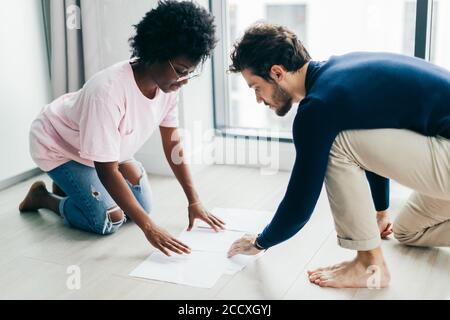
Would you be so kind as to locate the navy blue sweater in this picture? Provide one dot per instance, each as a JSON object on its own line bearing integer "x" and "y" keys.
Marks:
{"x": 359, "y": 90}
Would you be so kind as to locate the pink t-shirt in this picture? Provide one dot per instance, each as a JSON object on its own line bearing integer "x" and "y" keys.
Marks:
{"x": 109, "y": 119}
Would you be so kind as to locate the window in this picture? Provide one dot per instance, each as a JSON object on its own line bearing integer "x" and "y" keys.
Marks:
{"x": 409, "y": 27}
{"x": 440, "y": 33}
{"x": 326, "y": 27}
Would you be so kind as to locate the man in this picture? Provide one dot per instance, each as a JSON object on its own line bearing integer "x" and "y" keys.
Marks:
{"x": 86, "y": 140}
{"x": 360, "y": 90}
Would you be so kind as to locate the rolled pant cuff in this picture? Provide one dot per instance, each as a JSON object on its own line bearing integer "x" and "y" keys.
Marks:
{"x": 61, "y": 210}
{"x": 360, "y": 245}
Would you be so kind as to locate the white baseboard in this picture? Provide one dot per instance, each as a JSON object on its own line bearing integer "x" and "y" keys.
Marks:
{"x": 4, "y": 184}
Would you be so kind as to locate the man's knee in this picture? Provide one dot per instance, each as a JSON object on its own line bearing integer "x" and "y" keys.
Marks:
{"x": 402, "y": 233}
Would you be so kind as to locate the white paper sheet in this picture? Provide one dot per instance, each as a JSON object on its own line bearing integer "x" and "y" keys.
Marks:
{"x": 239, "y": 262}
{"x": 208, "y": 259}
{"x": 197, "y": 269}
{"x": 250, "y": 221}
{"x": 204, "y": 239}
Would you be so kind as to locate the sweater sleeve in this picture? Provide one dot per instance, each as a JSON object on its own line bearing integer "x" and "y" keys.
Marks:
{"x": 379, "y": 187}
{"x": 313, "y": 143}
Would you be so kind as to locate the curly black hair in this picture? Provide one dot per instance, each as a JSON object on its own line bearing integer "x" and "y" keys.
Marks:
{"x": 173, "y": 29}
{"x": 264, "y": 45}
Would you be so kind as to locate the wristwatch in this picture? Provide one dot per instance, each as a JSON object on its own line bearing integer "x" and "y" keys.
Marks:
{"x": 257, "y": 245}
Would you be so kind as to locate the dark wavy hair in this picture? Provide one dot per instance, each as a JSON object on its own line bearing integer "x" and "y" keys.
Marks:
{"x": 264, "y": 45}
{"x": 173, "y": 29}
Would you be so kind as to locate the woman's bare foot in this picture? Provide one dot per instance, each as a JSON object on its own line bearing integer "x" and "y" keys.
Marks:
{"x": 57, "y": 190}
{"x": 367, "y": 270}
{"x": 33, "y": 199}
{"x": 384, "y": 224}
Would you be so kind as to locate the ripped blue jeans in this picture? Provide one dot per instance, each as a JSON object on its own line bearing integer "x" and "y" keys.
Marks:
{"x": 88, "y": 205}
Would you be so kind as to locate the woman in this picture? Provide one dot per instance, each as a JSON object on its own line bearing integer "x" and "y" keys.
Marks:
{"x": 86, "y": 140}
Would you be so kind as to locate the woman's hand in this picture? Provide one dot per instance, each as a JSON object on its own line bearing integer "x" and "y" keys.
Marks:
{"x": 163, "y": 241}
{"x": 197, "y": 211}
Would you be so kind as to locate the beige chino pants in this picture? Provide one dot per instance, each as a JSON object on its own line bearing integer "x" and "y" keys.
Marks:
{"x": 415, "y": 161}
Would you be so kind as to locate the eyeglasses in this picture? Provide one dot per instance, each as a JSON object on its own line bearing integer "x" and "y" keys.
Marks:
{"x": 188, "y": 76}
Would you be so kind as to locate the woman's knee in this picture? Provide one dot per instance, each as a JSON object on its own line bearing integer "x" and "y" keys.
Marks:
{"x": 140, "y": 186}
{"x": 115, "y": 214}
{"x": 109, "y": 221}
{"x": 132, "y": 171}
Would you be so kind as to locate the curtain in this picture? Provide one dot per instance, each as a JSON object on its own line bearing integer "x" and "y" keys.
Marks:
{"x": 86, "y": 36}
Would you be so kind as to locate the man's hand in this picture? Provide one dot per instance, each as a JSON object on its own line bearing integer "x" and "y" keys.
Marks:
{"x": 384, "y": 224}
{"x": 244, "y": 245}
{"x": 197, "y": 211}
{"x": 163, "y": 241}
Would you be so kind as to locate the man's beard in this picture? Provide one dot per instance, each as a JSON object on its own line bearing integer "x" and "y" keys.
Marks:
{"x": 283, "y": 99}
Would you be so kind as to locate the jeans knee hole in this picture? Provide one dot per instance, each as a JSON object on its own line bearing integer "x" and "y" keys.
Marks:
{"x": 136, "y": 185}
{"x": 95, "y": 193}
{"x": 115, "y": 220}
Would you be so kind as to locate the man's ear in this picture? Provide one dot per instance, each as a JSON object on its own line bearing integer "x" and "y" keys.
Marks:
{"x": 277, "y": 72}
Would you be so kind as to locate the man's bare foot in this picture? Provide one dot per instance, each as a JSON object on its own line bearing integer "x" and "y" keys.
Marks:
{"x": 384, "y": 224}
{"x": 33, "y": 199}
{"x": 332, "y": 267}
{"x": 364, "y": 271}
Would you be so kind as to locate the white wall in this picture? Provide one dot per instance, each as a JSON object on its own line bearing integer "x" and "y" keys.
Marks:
{"x": 113, "y": 21}
{"x": 24, "y": 81}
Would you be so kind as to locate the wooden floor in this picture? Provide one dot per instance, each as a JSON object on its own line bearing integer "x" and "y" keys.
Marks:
{"x": 36, "y": 249}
